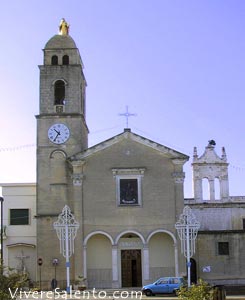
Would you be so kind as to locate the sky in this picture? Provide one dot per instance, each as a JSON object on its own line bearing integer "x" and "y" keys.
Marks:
{"x": 179, "y": 65}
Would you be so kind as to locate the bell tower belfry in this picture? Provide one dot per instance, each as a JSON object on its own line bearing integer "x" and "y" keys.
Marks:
{"x": 63, "y": 87}
{"x": 210, "y": 175}
{"x": 61, "y": 132}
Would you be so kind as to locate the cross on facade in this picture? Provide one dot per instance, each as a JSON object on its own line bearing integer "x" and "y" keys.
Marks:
{"x": 21, "y": 258}
{"x": 127, "y": 114}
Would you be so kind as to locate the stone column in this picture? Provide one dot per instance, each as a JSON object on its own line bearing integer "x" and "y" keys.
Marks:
{"x": 76, "y": 199}
{"x": 224, "y": 187}
{"x": 146, "y": 264}
{"x": 115, "y": 281}
{"x": 179, "y": 177}
{"x": 211, "y": 189}
{"x": 197, "y": 186}
{"x": 85, "y": 261}
{"x": 176, "y": 260}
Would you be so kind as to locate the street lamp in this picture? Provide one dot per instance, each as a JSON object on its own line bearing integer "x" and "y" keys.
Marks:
{"x": 187, "y": 228}
{"x": 66, "y": 228}
{"x": 55, "y": 263}
{"x": 1, "y": 200}
{"x": 40, "y": 262}
{"x": 54, "y": 281}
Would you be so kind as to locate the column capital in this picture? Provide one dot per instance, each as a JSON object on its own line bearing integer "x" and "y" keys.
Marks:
{"x": 179, "y": 177}
{"x": 77, "y": 179}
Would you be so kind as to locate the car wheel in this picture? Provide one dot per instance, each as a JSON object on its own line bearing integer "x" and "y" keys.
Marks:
{"x": 148, "y": 293}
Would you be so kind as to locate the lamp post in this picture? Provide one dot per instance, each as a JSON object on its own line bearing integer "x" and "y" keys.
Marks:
{"x": 187, "y": 228}
{"x": 40, "y": 262}
{"x": 54, "y": 281}
{"x": 55, "y": 263}
{"x": 1, "y": 200}
{"x": 66, "y": 228}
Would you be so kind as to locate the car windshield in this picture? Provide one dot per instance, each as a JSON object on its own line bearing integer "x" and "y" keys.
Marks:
{"x": 169, "y": 280}
{"x": 162, "y": 280}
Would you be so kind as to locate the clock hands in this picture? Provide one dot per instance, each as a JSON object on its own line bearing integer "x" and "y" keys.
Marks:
{"x": 58, "y": 133}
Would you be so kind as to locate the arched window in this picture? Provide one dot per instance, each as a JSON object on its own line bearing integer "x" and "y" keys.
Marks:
{"x": 205, "y": 189}
{"x": 217, "y": 189}
{"x": 54, "y": 60}
{"x": 59, "y": 92}
{"x": 65, "y": 60}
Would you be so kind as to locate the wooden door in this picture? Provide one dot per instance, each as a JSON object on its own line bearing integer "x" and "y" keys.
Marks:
{"x": 131, "y": 268}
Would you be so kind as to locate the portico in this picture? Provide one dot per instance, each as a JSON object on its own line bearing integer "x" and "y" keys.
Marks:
{"x": 130, "y": 259}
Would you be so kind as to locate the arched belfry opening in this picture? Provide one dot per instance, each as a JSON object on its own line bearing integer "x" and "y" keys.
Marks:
{"x": 59, "y": 92}
{"x": 205, "y": 189}
{"x": 54, "y": 60}
{"x": 65, "y": 60}
{"x": 210, "y": 175}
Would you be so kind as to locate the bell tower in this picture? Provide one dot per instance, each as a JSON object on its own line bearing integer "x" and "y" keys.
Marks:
{"x": 211, "y": 169}
{"x": 61, "y": 123}
{"x": 61, "y": 132}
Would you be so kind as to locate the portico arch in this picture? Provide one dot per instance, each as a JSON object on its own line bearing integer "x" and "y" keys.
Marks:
{"x": 161, "y": 230}
{"x": 97, "y": 232}
{"x": 128, "y": 232}
{"x": 130, "y": 244}
{"x": 163, "y": 254}
{"x": 98, "y": 259}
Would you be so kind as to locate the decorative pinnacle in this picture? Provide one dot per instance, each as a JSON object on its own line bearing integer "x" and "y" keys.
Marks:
{"x": 64, "y": 27}
{"x": 195, "y": 152}
{"x": 223, "y": 154}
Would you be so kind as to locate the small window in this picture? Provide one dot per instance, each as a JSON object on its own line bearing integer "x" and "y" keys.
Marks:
{"x": 243, "y": 224}
{"x": 223, "y": 248}
{"x": 163, "y": 281}
{"x": 65, "y": 60}
{"x": 54, "y": 60}
{"x": 59, "y": 92}
{"x": 19, "y": 216}
{"x": 176, "y": 280}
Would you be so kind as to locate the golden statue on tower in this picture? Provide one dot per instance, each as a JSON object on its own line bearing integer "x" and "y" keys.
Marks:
{"x": 64, "y": 27}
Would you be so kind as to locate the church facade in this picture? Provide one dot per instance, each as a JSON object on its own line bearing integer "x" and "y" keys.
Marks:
{"x": 125, "y": 204}
{"x": 126, "y": 193}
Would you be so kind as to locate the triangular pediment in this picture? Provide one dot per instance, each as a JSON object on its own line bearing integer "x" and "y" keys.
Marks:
{"x": 210, "y": 157}
{"x": 128, "y": 135}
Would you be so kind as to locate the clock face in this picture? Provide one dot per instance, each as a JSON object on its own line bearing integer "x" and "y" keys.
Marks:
{"x": 58, "y": 133}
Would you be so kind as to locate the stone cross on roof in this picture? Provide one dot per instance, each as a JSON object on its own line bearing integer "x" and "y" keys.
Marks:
{"x": 127, "y": 114}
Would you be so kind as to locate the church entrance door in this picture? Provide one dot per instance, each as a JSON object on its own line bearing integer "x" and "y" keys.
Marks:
{"x": 131, "y": 268}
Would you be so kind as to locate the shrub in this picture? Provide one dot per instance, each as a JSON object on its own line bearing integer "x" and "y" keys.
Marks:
{"x": 10, "y": 279}
{"x": 201, "y": 291}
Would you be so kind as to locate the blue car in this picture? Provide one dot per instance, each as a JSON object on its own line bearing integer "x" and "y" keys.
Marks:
{"x": 164, "y": 285}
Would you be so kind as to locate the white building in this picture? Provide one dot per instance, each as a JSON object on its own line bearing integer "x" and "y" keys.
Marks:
{"x": 19, "y": 237}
